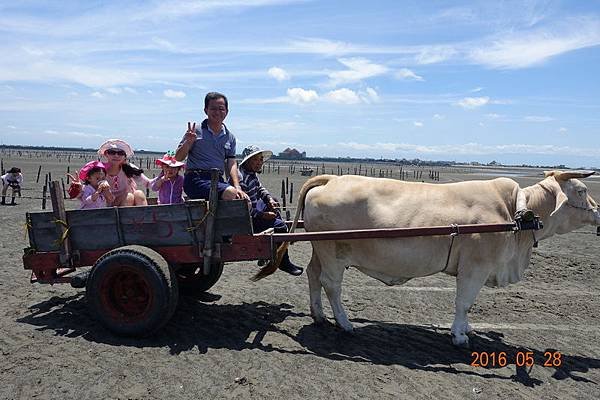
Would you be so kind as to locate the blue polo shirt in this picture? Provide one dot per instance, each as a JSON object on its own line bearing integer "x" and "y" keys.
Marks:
{"x": 210, "y": 150}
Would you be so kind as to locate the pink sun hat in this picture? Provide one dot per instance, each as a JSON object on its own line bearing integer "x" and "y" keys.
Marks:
{"x": 83, "y": 173}
{"x": 116, "y": 144}
{"x": 169, "y": 160}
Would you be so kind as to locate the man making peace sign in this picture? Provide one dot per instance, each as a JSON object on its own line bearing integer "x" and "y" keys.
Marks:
{"x": 210, "y": 146}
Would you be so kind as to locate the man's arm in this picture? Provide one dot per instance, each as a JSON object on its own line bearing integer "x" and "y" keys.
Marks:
{"x": 235, "y": 178}
{"x": 232, "y": 170}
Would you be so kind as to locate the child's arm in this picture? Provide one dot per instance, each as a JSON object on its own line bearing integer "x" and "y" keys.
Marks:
{"x": 157, "y": 182}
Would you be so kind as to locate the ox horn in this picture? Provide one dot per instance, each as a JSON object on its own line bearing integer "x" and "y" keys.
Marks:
{"x": 563, "y": 176}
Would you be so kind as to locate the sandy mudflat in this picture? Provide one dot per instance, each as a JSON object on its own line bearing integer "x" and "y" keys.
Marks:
{"x": 256, "y": 340}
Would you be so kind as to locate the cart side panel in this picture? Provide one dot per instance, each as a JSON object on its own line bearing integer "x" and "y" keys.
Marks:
{"x": 43, "y": 235}
{"x": 233, "y": 218}
{"x": 93, "y": 229}
{"x": 160, "y": 225}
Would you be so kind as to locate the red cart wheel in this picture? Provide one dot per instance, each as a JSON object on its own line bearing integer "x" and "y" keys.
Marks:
{"x": 132, "y": 291}
{"x": 191, "y": 280}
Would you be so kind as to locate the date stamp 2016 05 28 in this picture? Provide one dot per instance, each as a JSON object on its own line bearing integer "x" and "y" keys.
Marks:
{"x": 520, "y": 359}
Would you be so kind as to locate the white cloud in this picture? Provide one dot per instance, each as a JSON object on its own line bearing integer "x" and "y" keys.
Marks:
{"x": 130, "y": 90}
{"x": 174, "y": 94}
{"x": 524, "y": 49}
{"x": 476, "y": 90}
{"x": 562, "y": 129}
{"x": 435, "y": 54}
{"x": 342, "y": 96}
{"x": 11, "y": 127}
{"x": 370, "y": 96}
{"x": 98, "y": 95}
{"x": 187, "y": 8}
{"x": 405, "y": 73}
{"x": 321, "y": 46}
{"x": 467, "y": 149}
{"x": 359, "y": 69}
{"x": 473, "y": 102}
{"x": 114, "y": 90}
{"x": 493, "y": 115}
{"x": 438, "y": 116}
{"x": 278, "y": 73}
{"x": 538, "y": 118}
{"x": 301, "y": 96}
{"x": 418, "y": 124}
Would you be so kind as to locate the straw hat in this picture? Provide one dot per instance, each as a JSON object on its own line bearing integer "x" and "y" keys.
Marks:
{"x": 83, "y": 172}
{"x": 116, "y": 144}
{"x": 252, "y": 150}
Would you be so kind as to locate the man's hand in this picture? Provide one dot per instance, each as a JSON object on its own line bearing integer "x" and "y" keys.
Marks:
{"x": 273, "y": 204}
{"x": 269, "y": 215}
{"x": 190, "y": 135}
{"x": 241, "y": 194}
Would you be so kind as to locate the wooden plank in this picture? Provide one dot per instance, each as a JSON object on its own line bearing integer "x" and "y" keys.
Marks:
{"x": 43, "y": 229}
{"x": 93, "y": 228}
{"x": 60, "y": 215}
{"x": 160, "y": 225}
{"x": 233, "y": 218}
{"x": 209, "y": 230}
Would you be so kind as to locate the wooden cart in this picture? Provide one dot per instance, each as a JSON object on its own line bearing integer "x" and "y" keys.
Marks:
{"x": 141, "y": 258}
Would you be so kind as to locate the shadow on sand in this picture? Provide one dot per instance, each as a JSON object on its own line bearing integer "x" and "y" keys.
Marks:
{"x": 199, "y": 324}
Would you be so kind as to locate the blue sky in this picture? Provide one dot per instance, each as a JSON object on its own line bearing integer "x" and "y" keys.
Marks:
{"x": 511, "y": 81}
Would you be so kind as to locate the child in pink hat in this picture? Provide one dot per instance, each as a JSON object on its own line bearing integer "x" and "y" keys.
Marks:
{"x": 169, "y": 184}
{"x": 96, "y": 190}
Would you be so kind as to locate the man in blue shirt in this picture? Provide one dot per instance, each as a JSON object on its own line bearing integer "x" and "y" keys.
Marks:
{"x": 210, "y": 146}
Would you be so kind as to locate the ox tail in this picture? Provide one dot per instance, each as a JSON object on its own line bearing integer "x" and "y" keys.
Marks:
{"x": 272, "y": 266}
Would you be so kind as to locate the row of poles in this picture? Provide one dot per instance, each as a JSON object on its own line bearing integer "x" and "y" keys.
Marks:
{"x": 401, "y": 174}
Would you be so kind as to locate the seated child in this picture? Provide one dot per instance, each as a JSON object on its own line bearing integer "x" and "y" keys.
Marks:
{"x": 168, "y": 184}
{"x": 96, "y": 190}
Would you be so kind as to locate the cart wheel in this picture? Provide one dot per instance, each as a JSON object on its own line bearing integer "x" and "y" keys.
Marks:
{"x": 191, "y": 280}
{"x": 132, "y": 291}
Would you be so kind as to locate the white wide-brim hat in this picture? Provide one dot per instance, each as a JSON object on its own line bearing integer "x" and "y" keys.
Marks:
{"x": 251, "y": 151}
{"x": 116, "y": 144}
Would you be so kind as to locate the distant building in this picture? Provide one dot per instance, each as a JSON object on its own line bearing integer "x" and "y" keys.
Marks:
{"x": 292, "y": 153}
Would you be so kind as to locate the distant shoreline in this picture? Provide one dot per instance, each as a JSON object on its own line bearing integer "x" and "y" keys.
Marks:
{"x": 403, "y": 161}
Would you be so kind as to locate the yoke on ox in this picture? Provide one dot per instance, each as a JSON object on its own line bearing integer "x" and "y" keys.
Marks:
{"x": 333, "y": 203}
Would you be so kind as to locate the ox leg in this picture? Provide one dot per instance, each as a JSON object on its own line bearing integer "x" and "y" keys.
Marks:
{"x": 469, "y": 282}
{"x": 331, "y": 279}
{"x": 314, "y": 286}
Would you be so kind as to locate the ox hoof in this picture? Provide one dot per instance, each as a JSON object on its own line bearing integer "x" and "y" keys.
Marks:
{"x": 461, "y": 340}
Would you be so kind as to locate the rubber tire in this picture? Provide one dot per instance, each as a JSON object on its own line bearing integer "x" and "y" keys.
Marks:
{"x": 191, "y": 284}
{"x": 143, "y": 270}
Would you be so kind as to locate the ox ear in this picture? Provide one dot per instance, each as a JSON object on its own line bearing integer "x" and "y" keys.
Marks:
{"x": 551, "y": 173}
{"x": 561, "y": 200}
{"x": 564, "y": 176}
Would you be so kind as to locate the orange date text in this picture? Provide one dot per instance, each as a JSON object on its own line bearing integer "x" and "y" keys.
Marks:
{"x": 494, "y": 359}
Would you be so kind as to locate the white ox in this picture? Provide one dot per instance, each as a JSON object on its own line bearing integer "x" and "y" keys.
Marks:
{"x": 494, "y": 259}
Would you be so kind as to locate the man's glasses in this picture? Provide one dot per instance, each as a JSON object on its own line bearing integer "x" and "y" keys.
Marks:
{"x": 117, "y": 152}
